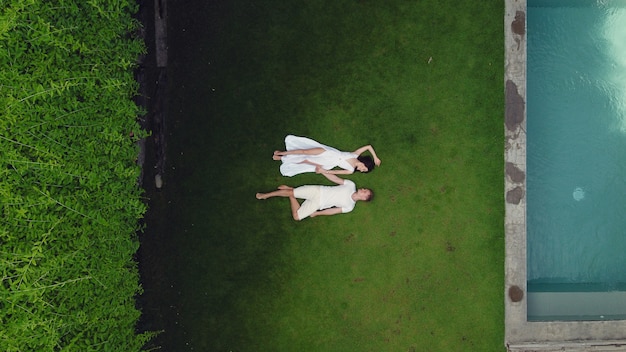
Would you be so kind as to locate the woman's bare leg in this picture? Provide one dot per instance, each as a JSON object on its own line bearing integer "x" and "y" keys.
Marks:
{"x": 312, "y": 151}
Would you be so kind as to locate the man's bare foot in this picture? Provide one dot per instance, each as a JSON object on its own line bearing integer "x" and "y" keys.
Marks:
{"x": 284, "y": 187}
{"x": 260, "y": 196}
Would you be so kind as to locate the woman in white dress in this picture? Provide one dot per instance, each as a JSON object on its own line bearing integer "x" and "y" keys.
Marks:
{"x": 305, "y": 155}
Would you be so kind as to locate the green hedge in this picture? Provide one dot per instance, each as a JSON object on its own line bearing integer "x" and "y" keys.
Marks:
{"x": 69, "y": 199}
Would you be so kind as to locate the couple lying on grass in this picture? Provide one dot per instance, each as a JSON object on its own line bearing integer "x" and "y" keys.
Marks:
{"x": 306, "y": 155}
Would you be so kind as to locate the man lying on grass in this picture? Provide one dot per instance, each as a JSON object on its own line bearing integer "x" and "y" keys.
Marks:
{"x": 321, "y": 200}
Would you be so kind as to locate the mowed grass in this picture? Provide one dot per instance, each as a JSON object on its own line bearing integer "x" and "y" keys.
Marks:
{"x": 418, "y": 269}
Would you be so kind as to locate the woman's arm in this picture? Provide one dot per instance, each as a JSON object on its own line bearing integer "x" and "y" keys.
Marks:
{"x": 331, "y": 177}
{"x": 320, "y": 170}
{"x": 371, "y": 150}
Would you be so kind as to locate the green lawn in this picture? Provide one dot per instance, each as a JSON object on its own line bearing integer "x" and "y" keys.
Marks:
{"x": 418, "y": 269}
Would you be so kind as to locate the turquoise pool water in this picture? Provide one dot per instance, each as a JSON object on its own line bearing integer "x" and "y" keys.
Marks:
{"x": 576, "y": 161}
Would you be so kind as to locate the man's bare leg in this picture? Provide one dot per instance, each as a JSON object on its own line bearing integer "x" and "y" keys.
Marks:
{"x": 283, "y": 191}
{"x": 295, "y": 205}
{"x": 293, "y": 202}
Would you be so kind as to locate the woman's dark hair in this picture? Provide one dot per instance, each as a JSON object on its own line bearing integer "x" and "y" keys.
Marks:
{"x": 368, "y": 162}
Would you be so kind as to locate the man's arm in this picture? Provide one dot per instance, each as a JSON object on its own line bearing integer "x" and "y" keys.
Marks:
{"x": 331, "y": 177}
{"x": 329, "y": 211}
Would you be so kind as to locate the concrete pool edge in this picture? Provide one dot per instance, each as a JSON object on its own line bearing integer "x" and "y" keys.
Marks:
{"x": 521, "y": 335}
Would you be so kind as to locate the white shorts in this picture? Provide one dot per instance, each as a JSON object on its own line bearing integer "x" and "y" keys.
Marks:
{"x": 311, "y": 196}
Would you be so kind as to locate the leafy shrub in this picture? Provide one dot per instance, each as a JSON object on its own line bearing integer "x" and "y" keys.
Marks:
{"x": 69, "y": 200}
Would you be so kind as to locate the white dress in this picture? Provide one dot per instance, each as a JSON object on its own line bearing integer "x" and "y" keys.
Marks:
{"x": 294, "y": 164}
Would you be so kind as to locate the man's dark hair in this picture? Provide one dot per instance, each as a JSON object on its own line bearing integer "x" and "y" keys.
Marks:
{"x": 369, "y": 199}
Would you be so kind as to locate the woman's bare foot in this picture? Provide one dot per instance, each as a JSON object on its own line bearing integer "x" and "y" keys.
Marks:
{"x": 260, "y": 196}
{"x": 277, "y": 155}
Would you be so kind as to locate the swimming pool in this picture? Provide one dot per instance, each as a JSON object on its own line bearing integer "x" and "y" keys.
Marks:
{"x": 546, "y": 308}
{"x": 576, "y": 159}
